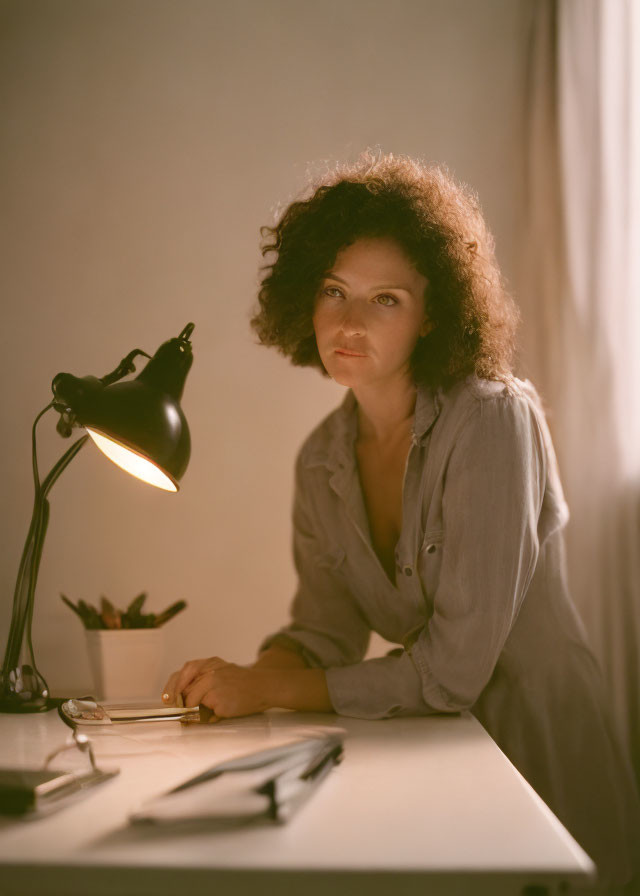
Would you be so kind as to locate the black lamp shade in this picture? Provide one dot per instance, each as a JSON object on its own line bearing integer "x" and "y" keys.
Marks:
{"x": 142, "y": 415}
{"x": 144, "y": 420}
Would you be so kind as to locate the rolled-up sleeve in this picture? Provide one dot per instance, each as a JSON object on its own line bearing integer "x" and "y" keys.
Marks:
{"x": 493, "y": 491}
{"x": 327, "y": 626}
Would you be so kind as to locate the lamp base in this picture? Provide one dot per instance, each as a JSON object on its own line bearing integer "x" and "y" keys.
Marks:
{"x": 23, "y": 689}
{"x": 16, "y": 707}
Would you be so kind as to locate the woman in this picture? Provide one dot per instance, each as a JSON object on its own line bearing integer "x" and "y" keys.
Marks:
{"x": 428, "y": 506}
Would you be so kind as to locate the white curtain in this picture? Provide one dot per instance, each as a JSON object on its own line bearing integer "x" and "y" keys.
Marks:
{"x": 579, "y": 289}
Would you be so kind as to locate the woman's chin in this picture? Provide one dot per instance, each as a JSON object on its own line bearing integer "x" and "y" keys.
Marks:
{"x": 345, "y": 378}
{"x": 348, "y": 372}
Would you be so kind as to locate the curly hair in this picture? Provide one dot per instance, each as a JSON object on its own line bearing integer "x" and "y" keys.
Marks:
{"x": 438, "y": 223}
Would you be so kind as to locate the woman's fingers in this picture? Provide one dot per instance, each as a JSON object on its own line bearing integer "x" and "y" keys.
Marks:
{"x": 194, "y": 669}
{"x": 230, "y": 691}
{"x": 180, "y": 682}
{"x": 200, "y": 688}
{"x": 189, "y": 672}
{"x": 169, "y": 692}
{"x": 225, "y": 688}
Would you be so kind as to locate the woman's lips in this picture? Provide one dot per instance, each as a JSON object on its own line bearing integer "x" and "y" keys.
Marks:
{"x": 348, "y": 353}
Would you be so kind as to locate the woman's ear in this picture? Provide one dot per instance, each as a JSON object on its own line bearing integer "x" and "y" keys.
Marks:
{"x": 426, "y": 327}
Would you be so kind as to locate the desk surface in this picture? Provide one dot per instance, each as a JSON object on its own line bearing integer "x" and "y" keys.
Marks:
{"x": 413, "y": 799}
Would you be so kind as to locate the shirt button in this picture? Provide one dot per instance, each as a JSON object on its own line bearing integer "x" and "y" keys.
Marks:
{"x": 431, "y": 549}
{"x": 408, "y": 571}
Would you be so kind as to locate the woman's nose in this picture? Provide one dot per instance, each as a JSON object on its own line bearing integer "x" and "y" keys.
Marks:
{"x": 353, "y": 322}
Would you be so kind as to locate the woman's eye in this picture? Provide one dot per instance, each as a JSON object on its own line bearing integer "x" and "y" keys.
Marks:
{"x": 328, "y": 292}
{"x": 386, "y": 300}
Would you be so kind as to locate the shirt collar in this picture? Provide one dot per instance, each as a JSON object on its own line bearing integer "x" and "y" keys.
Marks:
{"x": 343, "y": 428}
{"x": 428, "y": 407}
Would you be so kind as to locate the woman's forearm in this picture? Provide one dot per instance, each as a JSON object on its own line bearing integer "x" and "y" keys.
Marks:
{"x": 304, "y": 690}
{"x": 290, "y": 684}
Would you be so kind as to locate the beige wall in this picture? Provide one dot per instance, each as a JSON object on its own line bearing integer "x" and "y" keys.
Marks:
{"x": 142, "y": 145}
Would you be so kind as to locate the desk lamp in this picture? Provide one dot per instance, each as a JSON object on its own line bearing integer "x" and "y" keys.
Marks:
{"x": 139, "y": 425}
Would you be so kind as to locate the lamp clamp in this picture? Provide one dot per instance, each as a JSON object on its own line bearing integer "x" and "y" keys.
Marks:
{"x": 70, "y": 392}
{"x": 125, "y": 367}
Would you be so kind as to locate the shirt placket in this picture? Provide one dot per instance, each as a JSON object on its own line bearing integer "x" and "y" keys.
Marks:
{"x": 345, "y": 483}
{"x": 407, "y": 574}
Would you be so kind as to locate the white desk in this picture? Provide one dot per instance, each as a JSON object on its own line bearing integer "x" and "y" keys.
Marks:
{"x": 421, "y": 805}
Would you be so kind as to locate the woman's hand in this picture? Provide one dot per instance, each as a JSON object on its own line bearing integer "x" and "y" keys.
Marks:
{"x": 225, "y": 688}
{"x": 230, "y": 690}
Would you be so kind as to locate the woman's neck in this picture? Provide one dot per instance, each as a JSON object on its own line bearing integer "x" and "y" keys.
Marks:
{"x": 385, "y": 412}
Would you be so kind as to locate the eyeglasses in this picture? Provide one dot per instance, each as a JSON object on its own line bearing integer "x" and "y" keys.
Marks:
{"x": 82, "y": 742}
{"x": 38, "y": 791}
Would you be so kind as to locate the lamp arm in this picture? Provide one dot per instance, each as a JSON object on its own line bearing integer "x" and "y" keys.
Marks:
{"x": 34, "y": 566}
{"x": 23, "y": 599}
{"x": 35, "y": 515}
{"x": 17, "y": 616}
{"x": 41, "y": 529}
{"x": 34, "y": 453}
{"x": 36, "y": 533}
{"x": 61, "y": 465}
{"x": 42, "y": 490}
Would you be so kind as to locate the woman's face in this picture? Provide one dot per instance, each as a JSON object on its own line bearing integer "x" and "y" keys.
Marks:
{"x": 369, "y": 313}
